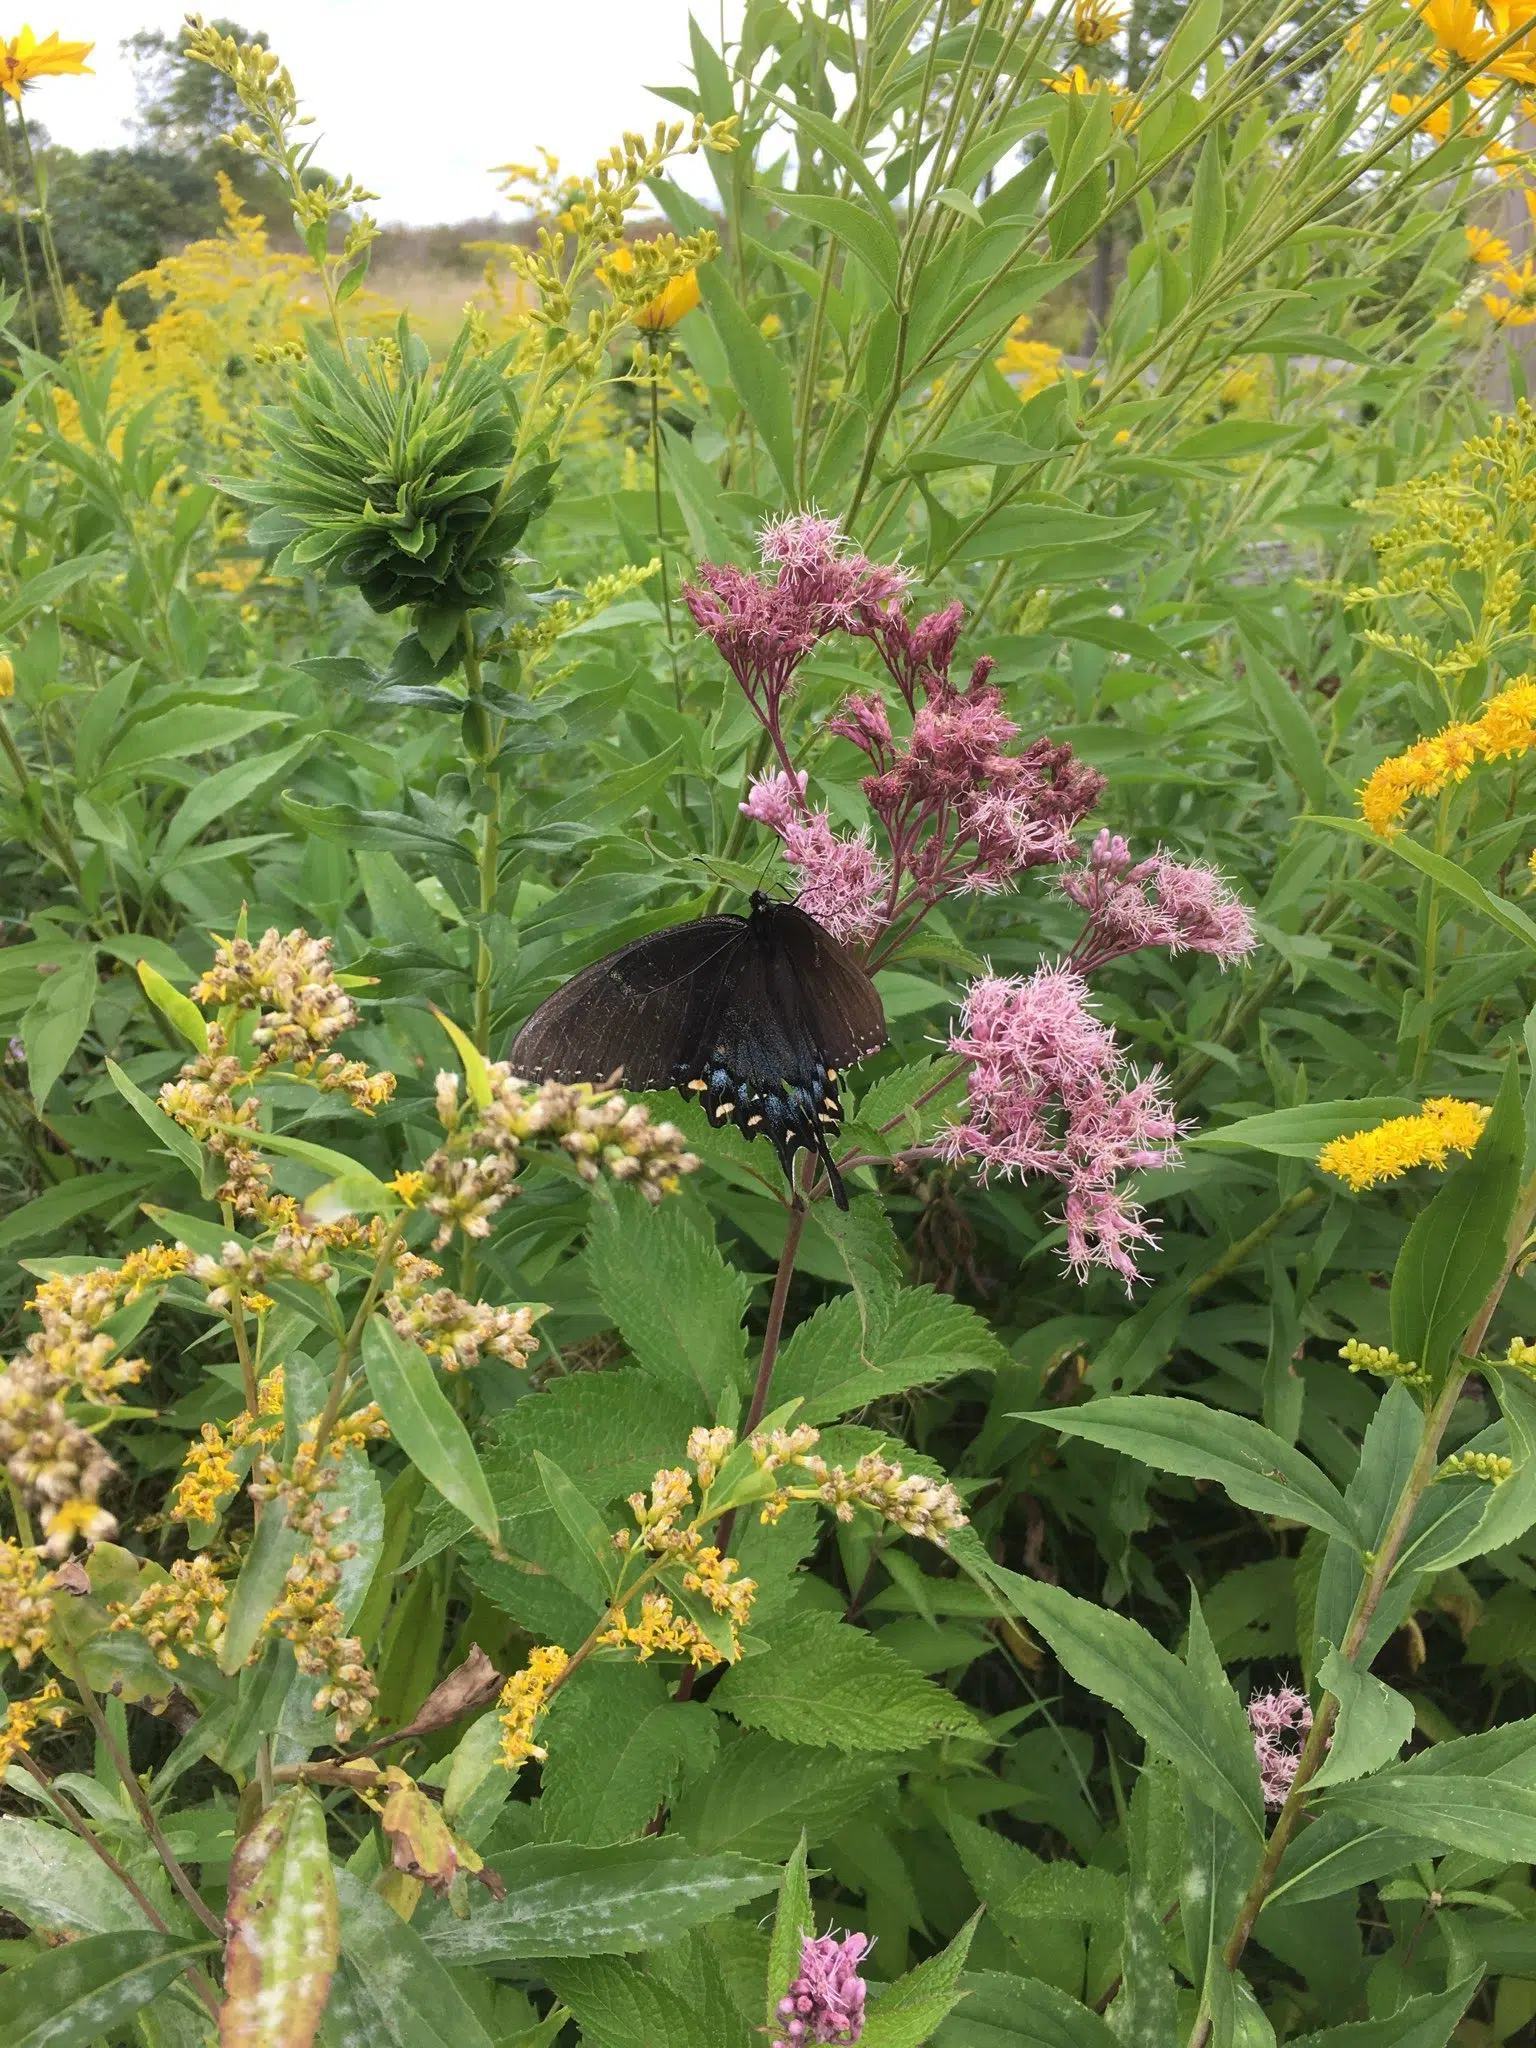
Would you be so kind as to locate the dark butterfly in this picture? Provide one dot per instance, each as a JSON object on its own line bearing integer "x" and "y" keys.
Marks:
{"x": 754, "y": 1015}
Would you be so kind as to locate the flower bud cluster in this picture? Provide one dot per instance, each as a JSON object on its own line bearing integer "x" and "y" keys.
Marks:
{"x": 304, "y": 1009}
{"x": 1477, "y": 1465}
{"x": 826, "y": 2000}
{"x": 468, "y": 1179}
{"x": 208, "y": 1473}
{"x": 451, "y": 1329}
{"x": 1379, "y": 1359}
{"x": 187, "y": 1611}
{"x": 917, "y": 1506}
{"x": 700, "y": 1567}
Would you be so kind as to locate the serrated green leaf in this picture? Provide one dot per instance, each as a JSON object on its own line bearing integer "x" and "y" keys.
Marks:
{"x": 672, "y": 1295}
{"x": 823, "y": 1682}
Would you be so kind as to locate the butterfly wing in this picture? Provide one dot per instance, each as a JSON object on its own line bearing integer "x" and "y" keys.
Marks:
{"x": 794, "y": 1008}
{"x": 842, "y": 1005}
{"x": 641, "y": 1011}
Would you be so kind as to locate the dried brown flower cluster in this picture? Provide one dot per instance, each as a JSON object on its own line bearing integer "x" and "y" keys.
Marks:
{"x": 184, "y": 1612}
{"x": 57, "y": 1464}
{"x": 449, "y": 1328}
{"x": 467, "y": 1180}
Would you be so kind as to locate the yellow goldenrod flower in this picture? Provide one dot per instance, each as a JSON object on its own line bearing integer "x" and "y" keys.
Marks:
{"x": 1513, "y": 304}
{"x": 1094, "y": 22}
{"x": 85, "y": 1519}
{"x": 1033, "y": 364}
{"x": 1483, "y": 246}
{"x": 677, "y": 297}
{"x": 1505, "y": 728}
{"x": 1368, "y": 1158}
{"x": 24, "y": 59}
{"x": 1238, "y": 385}
{"x": 26, "y": 1601}
{"x": 22, "y": 1717}
{"x": 1377, "y": 1358}
{"x": 523, "y": 1699}
{"x": 7, "y": 676}
{"x": 207, "y": 1479}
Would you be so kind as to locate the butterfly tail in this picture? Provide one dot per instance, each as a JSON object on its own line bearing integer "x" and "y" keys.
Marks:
{"x": 834, "y": 1178}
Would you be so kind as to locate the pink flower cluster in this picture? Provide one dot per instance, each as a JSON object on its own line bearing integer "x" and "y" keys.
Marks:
{"x": 962, "y": 814}
{"x": 1049, "y": 1093}
{"x": 1186, "y": 907}
{"x": 844, "y": 884}
{"x": 765, "y": 630}
{"x": 1280, "y": 1722}
{"x": 826, "y": 2001}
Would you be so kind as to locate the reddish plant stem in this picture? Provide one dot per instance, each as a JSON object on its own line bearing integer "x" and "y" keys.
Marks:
{"x": 93, "y": 1841}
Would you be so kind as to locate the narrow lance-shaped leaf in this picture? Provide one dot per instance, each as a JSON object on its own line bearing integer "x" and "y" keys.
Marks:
{"x": 1258, "y": 1468}
{"x": 284, "y": 1928}
{"x": 425, "y": 1424}
{"x": 89, "y": 1988}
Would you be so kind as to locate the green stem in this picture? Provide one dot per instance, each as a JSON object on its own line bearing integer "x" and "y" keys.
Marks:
{"x": 1383, "y": 1563}
{"x": 21, "y": 232}
{"x": 25, "y": 789}
{"x": 661, "y": 531}
{"x": 490, "y": 837}
{"x": 354, "y": 1337}
{"x": 45, "y": 229}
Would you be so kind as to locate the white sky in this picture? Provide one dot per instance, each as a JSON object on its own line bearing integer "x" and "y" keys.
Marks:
{"x": 416, "y": 98}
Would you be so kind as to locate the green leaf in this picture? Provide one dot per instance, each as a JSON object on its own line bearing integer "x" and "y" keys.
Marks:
{"x": 618, "y": 1748}
{"x": 1198, "y": 27}
{"x": 284, "y": 1927}
{"x": 674, "y": 1298}
{"x": 1455, "y": 880}
{"x": 1456, "y": 1249}
{"x": 906, "y": 2013}
{"x": 166, "y": 1129}
{"x": 1374, "y": 1724}
{"x": 1295, "y": 739}
{"x": 1425, "y": 2022}
{"x": 1302, "y": 1132}
{"x": 477, "y": 1079}
{"x": 175, "y": 735}
{"x": 591, "y": 1534}
{"x": 569, "y": 1901}
{"x": 88, "y": 1988}
{"x": 853, "y": 1351}
{"x": 761, "y": 1795}
{"x": 793, "y": 1921}
{"x": 822, "y": 1681}
{"x": 760, "y": 379}
{"x": 425, "y": 1424}
{"x": 390, "y": 1987}
{"x": 55, "y": 1024}
{"x": 1482, "y": 1816}
{"x": 258, "y": 1588}
{"x": 871, "y": 240}
{"x": 50, "y": 1211}
{"x": 1207, "y": 212}
{"x": 214, "y": 797}
{"x": 1257, "y": 1468}
{"x": 1165, "y": 1702}
{"x": 676, "y": 2001}
{"x": 51, "y": 1880}
{"x": 1022, "y": 2012}
{"x": 343, "y": 1172}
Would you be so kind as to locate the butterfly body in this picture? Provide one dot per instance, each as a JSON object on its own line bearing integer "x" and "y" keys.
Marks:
{"x": 752, "y": 1016}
